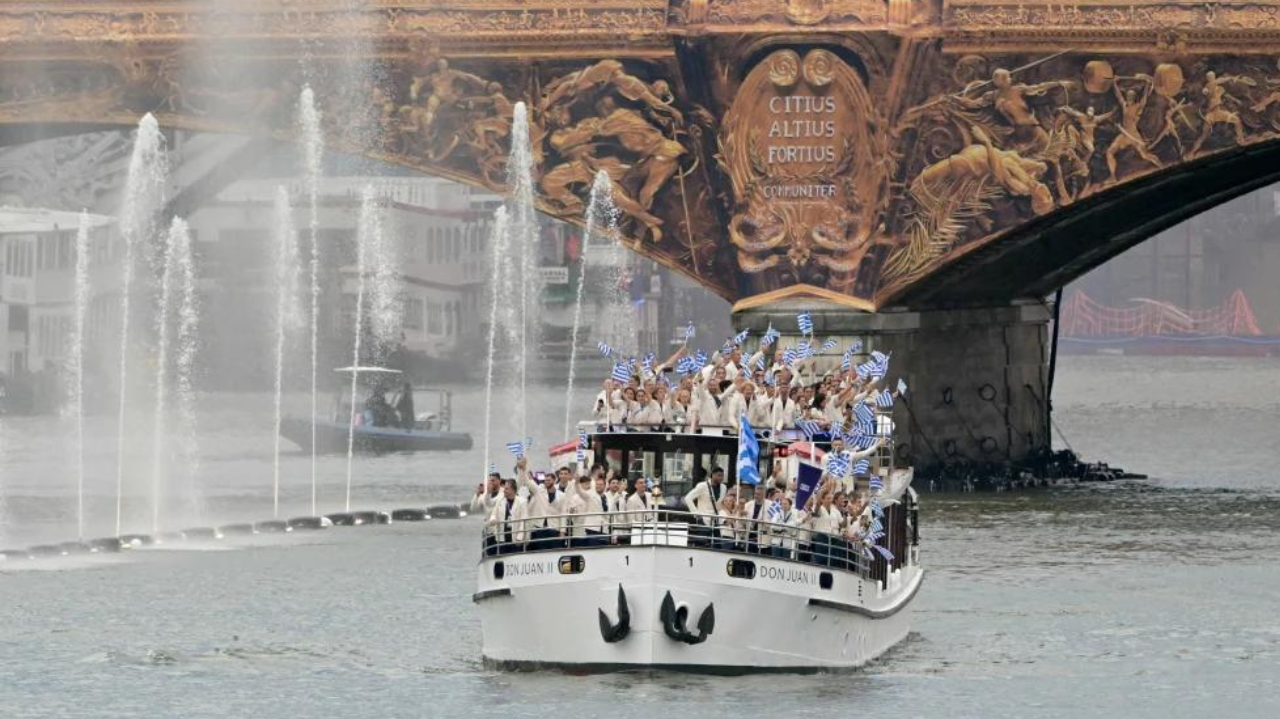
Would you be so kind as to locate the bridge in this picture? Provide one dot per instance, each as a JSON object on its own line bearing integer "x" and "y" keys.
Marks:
{"x": 922, "y": 173}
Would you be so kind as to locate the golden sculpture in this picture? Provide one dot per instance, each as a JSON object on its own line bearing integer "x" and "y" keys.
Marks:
{"x": 952, "y": 125}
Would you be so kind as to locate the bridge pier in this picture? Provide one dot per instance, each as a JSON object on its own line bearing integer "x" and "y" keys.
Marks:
{"x": 977, "y": 378}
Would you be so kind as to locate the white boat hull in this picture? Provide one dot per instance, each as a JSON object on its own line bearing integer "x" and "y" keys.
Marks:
{"x": 780, "y": 619}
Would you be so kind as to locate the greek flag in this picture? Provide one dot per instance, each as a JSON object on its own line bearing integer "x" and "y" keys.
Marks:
{"x": 876, "y": 484}
{"x": 727, "y": 347}
{"x": 864, "y": 414}
{"x": 837, "y": 429}
{"x": 686, "y": 365}
{"x": 846, "y": 361}
{"x": 583, "y": 442}
{"x": 760, "y": 362}
{"x": 605, "y": 350}
{"x": 621, "y": 374}
{"x": 806, "y": 322}
{"x": 699, "y": 361}
{"x": 861, "y": 440}
{"x": 862, "y": 468}
{"x": 880, "y": 364}
{"x": 830, "y": 344}
{"x": 855, "y": 347}
{"x": 741, "y": 337}
{"x": 866, "y": 369}
{"x": 876, "y": 509}
{"x": 884, "y": 399}
{"x": 888, "y": 556}
{"x": 789, "y": 357}
{"x": 516, "y": 448}
{"x": 867, "y": 429}
{"x": 582, "y": 456}
{"x": 647, "y": 362}
{"x": 689, "y": 331}
{"x": 774, "y": 511}
{"x": 809, "y": 427}
{"x": 770, "y": 335}
{"x": 838, "y": 465}
{"x": 902, "y": 386}
{"x": 748, "y": 454}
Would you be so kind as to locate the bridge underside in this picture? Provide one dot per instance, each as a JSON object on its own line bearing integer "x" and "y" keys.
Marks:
{"x": 940, "y": 165}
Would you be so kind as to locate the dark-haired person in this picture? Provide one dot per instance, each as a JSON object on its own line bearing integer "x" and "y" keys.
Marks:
{"x": 507, "y": 520}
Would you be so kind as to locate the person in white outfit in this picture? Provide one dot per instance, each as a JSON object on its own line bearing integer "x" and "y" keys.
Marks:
{"x": 546, "y": 508}
{"x": 487, "y": 495}
{"x": 589, "y": 498}
{"x": 640, "y": 506}
{"x": 507, "y": 520}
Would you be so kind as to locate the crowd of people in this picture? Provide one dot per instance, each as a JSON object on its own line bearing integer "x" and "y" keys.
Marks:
{"x": 533, "y": 512}
{"x": 772, "y": 390}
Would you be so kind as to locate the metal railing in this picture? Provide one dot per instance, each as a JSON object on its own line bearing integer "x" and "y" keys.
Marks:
{"x": 674, "y": 528}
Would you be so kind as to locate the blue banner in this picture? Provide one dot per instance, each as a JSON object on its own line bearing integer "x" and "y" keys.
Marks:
{"x": 807, "y": 483}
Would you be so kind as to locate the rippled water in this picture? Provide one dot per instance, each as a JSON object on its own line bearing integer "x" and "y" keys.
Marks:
{"x": 1142, "y": 599}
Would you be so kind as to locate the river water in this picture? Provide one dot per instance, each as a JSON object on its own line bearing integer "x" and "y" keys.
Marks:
{"x": 1140, "y": 599}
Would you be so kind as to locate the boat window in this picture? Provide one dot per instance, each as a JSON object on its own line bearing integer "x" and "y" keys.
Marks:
{"x": 641, "y": 464}
{"x": 825, "y": 580}
{"x": 499, "y": 570}
{"x": 741, "y": 569}
{"x": 677, "y": 472}
{"x": 573, "y": 564}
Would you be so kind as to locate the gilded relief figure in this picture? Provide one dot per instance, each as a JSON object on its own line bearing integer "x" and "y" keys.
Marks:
{"x": 1174, "y": 112}
{"x": 1215, "y": 110}
{"x": 1010, "y": 101}
{"x": 603, "y": 118}
{"x": 441, "y": 87}
{"x": 1132, "y": 106}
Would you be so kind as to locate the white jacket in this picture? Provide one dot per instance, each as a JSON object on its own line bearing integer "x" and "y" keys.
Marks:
{"x": 542, "y": 505}
{"x": 501, "y": 521}
{"x": 483, "y": 503}
{"x": 640, "y": 507}
{"x": 700, "y": 500}
{"x": 587, "y": 502}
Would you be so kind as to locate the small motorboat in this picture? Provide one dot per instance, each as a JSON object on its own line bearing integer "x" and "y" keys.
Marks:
{"x": 382, "y": 426}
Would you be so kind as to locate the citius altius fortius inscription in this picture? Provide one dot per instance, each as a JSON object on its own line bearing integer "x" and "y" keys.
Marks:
{"x": 809, "y": 169}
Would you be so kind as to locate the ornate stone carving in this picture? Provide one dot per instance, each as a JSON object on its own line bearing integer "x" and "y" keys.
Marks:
{"x": 806, "y": 152}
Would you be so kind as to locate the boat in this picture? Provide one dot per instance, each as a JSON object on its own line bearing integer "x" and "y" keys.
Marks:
{"x": 664, "y": 594}
{"x": 379, "y": 428}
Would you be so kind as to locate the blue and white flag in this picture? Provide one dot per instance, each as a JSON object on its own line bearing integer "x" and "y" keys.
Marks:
{"x": 876, "y": 509}
{"x": 880, "y": 364}
{"x": 647, "y": 362}
{"x": 621, "y": 374}
{"x": 805, "y": 320}
{"x": 770, "y": 336}
{"x": 686, "y": 365}
{"x": 846, "y": 360}
{"x": 768, "y": 379}
{"x": 726, "y": 348}
{"x": 760, "y": 363}
{"x": 838, "y": 465}
{"x": 884, "y": 399}
{"x": 605, "y": 349}
{"x": 876, "y": 484}
{"x": 864, "y": 414}
{"x": 582, "y": 456}
{"x": 862, "y": 468}
{"x": 689, "y": 331}
{"x": 516, "y": 448}
{"x": 810, "y": 428}
{"x": 748, "y": 454}
{"x": 830, "y": 344}
{"x": 583, "y": 441}
{"x": 902, "y": 386}
{"x": 773, "y": 511}
{"x": 789, "y": 357}
{"x": 741, "y": 337}
{"x": 856, "y": 346}
{"x": 699, "y": 361}
{"x": 861, "y": 440}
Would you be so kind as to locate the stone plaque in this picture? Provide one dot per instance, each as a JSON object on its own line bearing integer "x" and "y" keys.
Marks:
{"x": 809, "y": 166}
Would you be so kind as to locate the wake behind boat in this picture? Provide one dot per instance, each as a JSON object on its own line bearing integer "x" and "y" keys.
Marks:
{"x": 383, "y": 425}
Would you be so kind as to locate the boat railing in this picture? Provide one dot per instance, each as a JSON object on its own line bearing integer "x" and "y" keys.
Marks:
{"x": 665, "y": 527}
